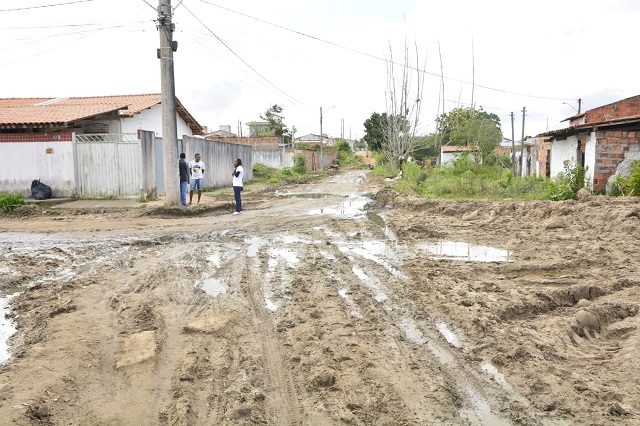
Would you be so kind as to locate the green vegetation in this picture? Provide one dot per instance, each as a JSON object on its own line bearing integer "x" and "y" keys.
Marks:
{"x": 300, "y": 164}
{"x": 9, "y": 202}
{"x": 628, "y": 185}
{"x": 467, "y": 179}
{"x": 266, "y": 174}
{"x": 565, "y": 185}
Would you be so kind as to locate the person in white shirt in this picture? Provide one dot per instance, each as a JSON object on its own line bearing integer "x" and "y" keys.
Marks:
{"x": 196, "y": 169}
{"x": 238, "y": 176}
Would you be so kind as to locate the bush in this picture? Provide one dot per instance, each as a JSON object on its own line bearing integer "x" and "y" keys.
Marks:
{"x": 565, "y": 185}
{"x": 343, "y": 146}
{"x": 8, "y": 202}
{"x": 300, "y": 164}
{"x": 260, "y": 171}
{"x": 628, "y": 185}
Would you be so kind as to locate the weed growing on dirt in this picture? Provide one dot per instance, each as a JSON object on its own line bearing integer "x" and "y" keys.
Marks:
{"x": 628, "y": 185}
{"x": 565, "y": 185}
{"x": 468, "y": 179}
{"x": 262, "y": 173}
{"x": 9, "y": 202}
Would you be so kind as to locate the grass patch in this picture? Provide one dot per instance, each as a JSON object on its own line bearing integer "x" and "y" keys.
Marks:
{"x": 8, "y": 202}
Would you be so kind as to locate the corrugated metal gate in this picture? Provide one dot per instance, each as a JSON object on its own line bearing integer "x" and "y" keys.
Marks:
{"x": 108, "y": 165}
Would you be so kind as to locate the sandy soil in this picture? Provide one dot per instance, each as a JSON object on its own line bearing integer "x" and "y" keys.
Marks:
{"x": 336, "y": 302}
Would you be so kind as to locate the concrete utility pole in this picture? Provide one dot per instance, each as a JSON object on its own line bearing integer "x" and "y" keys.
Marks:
{"x": 169, "y": 126}
{"x": 579, "y": 105}
{"x": 321, "y": 139}
{"x": 522, "y": 144}
{"x": 514, "y": 167}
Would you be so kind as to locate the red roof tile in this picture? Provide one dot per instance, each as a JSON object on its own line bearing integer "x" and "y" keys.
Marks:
{"x": 64, "y": 110}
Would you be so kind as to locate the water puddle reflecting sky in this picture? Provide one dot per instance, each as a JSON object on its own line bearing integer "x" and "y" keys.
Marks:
{"x": 214, "y": 286}
{"x": 460, "y": 251}
{"x": 6, "y": 328}
{"x": 352, "y": 208}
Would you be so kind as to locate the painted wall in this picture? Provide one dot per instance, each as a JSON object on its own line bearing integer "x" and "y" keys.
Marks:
{"x": 25, "y": 157}
{"x": 218, "y": 159}
{"x": 590, "y": 158}
{"x": 448, "y": 157}
{"x": 561, "y": 151}
{"x": 151, "y": 119}
{"x": 274, "y": 157}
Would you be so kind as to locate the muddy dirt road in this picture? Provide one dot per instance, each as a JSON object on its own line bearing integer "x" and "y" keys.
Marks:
{"x": 330, "y": 303}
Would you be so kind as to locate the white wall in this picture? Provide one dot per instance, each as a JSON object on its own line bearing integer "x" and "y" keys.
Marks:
{"x": 151, "y": 119}
{"x": 562, "y": 150}
{"x": 23, "y": 162}
{"x": 590, "y": 158}
{"x": 448, "y": 157}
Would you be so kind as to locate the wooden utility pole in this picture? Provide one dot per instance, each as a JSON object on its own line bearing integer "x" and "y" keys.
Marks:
{"x": 169, "y": 126}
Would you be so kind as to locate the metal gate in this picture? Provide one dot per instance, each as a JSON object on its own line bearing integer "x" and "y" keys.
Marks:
{"x": 108, "y": 165}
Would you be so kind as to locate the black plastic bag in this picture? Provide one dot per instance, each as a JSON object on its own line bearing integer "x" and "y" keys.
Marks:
{"x": 40, "y": 191}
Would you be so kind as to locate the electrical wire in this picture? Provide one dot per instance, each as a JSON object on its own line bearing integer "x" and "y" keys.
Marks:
{"x": 242, "y": 60}
{"x": 46, "y": 5}
{"x": 381, "y": 58}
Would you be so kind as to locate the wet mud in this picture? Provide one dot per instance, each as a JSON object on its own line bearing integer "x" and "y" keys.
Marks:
{"x": 326, "y": 303}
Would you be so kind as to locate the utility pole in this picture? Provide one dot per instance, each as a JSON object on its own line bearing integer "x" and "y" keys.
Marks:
{"x": 321, "y": 139}
{"x": 514, "y": 167}
{"x": 168, "y": 88}
{"x": 579, "y": 105}
{"x": 522, "y": 144}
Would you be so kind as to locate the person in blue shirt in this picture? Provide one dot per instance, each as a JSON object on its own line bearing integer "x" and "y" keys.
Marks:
{"x": 238, "y": 176}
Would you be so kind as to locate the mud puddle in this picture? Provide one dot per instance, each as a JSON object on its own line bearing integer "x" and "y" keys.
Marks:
{"x": 461, "y": 251}
{"x": 6, "y": 328}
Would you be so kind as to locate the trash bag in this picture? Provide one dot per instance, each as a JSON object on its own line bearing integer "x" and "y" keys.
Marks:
{"x": 40, "y": 191}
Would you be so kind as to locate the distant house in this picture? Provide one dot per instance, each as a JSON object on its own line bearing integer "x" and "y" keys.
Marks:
{"x": 98, "y": 114}
{"x": 313, "y": 138}
{"x": 604, "y": 140}
{"x": 449, "y": 153}
{"x": 223, "y": 132}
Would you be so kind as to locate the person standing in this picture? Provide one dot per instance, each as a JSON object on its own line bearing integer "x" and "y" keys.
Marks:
{"x": 196, "y": 170}
{"x": 238, "y": 176}
{"x": 184, "y": 178}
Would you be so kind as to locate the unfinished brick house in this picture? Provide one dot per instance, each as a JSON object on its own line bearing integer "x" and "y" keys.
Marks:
{"x": 604, "y": 140}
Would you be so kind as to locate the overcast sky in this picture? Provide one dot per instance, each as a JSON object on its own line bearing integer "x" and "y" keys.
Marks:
{"x": 307, "y": 54}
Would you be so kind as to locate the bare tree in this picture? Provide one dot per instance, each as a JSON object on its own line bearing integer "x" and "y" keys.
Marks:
{"x": 403, "y": 103}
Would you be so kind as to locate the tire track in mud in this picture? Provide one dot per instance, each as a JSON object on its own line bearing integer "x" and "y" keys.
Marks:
{"x": 375, "y": 272}
{"x": 282, "y": 405}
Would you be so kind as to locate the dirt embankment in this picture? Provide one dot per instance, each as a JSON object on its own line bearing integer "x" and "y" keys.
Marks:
{"x": 310, "y": 309}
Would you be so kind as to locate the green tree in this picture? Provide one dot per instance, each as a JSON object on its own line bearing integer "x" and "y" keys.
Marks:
{"x": 276, "y": 126}
{"x": 374, "y": 135}
{"x": 467, "y": 126}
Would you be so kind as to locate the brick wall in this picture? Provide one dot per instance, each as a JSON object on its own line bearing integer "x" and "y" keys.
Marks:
{"x": 611, "y": 147}
{"x": 625, "y": 108}
{"x": 36, "y": 137}
{"x": 543, "y": 157}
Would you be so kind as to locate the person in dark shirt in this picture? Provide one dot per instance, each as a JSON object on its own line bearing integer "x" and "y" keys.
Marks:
{"x": 184, "y": 179}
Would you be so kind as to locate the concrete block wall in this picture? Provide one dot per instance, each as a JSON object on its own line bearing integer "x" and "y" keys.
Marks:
{"x": 611, "y": 149}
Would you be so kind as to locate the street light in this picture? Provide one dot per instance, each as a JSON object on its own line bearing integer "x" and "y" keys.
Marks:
{"x": 574, "y": 108}
{"x": 322, "y": 135}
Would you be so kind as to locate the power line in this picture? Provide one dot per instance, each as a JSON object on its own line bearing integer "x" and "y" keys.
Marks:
{"x": 378, "y": 57}
{"x": 243, "y": 61}
{"x": 46, "y": 5}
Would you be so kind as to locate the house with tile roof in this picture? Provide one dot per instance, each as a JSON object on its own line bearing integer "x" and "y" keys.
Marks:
{"x": 98, "y": 114}
{"x": 604, "y": 140}
{"x": 88, "y": 146}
